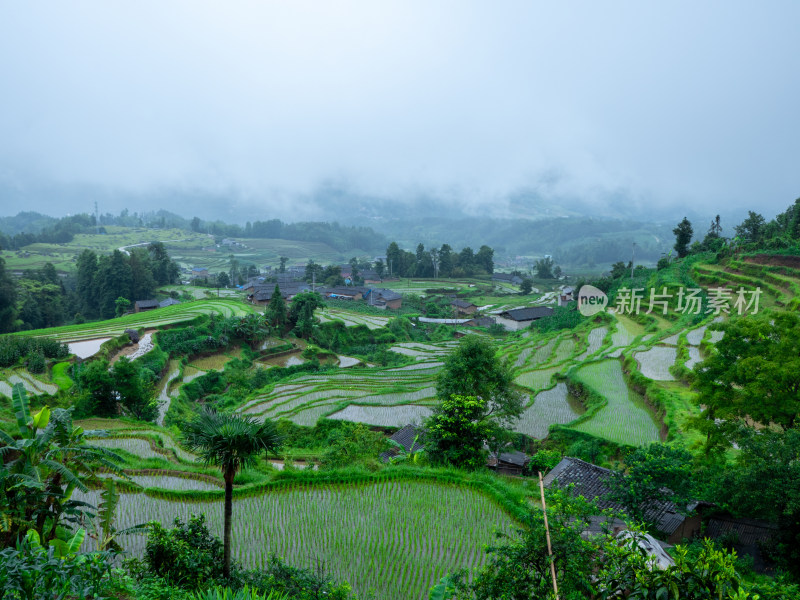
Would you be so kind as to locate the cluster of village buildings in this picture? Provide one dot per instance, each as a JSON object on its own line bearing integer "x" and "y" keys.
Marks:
{"x": 259, "y": 290}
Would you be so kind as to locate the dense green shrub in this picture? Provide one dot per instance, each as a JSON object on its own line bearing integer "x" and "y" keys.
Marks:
{"x": 206, "y": 335}
{"x": 35, "y": 362}
{"x": 152, "y": 364}
{"x": 35, "y": 573}
{"x": 13, "y": 348}
{"x": 187, "y": 555}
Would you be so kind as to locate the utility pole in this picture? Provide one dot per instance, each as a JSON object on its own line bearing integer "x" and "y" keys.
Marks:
{"x": 96, "y": 218}
{"x": 633, "y": 256}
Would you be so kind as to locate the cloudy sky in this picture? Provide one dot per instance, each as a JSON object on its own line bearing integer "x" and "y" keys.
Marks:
{"x": 670, "y": 103}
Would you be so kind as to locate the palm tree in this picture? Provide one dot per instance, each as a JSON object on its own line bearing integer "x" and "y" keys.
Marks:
{"x": 231, "y": 442}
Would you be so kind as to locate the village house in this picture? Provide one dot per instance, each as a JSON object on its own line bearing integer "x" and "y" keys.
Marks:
{"x": 408, "y": 437}
{"x": 168, "y": 302}
{"x": 199, "y": 273}
{"x": 251, "y": 284}
{"x": 463, "y": 307}
{"x": 370, "y": 277}
{"x": 145, "y": 305}
{"x": 384, "y": 299}
{"x": 481, "y": 322}
{"x": 520, "y": 318}
{"x": 343, "y": 292}
{"x": 565, "y": 296}
{"x": 263, "y": 294}
{"x": 508, "y": 463}
{"x": 591, "y": 482}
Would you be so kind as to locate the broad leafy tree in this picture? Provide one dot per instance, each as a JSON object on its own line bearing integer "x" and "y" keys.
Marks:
{"x": 474, "y": 369}
{"x": 457, "y": 430}
{"x": 526, "y": 286}
{"x": 657, "y": 472}
{"x": 752, "y": 228}
{"x": 765, "y": 482}
{"x": 301, "y": 313}
{"x": 96, "y": 382}
{"x": 544, "y": 268}
{"x": 752, "y": 375}
{"x": 133, "y": 392}
{"x": 683, "y": 236}
{"x": 232, "y": 443}
{"x": 477, "y": 405}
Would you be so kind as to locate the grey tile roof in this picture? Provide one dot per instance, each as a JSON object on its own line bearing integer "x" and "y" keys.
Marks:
{"x": 168, "y": 302}
{"x": 527, "y": 314}
{"x": 264, "y": 292}
{"x": 147, "y": 304}
{"x": 458, "y": 303}
{"x": 387, "y": 295}
{"x": 590, "y": 481}
{"x": 405, "y": 437}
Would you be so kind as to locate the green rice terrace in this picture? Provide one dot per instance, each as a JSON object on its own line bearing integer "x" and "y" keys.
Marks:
{"x": 621, "y": 379}
{"x": 599, "y": 355}
{"x": 396, "y": 537}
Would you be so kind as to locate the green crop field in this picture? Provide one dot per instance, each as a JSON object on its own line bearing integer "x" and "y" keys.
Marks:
{"x": 309, "y": 397}
{"x": 150, "y": 319}
{"x": 396, "y": 538}
{"x": 625, "y": 419}
{"x": 655, "y": 362}
{"x": 63, "y": 256}
{"x": 550, "y": 407}
{"x": 353, "y": 318}
{"x": 201, "y": 252}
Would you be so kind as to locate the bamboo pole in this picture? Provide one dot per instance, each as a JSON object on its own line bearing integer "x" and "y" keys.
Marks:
{"x": 547, "y": 533}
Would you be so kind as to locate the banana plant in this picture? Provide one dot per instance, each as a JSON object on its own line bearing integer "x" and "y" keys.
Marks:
{"x": 63, "y": 547}
{"x": 105, "y": 531}
{"x": 41, "y": 468}
{"x": 442, "y": 590}
{"x": 413, "y": 455}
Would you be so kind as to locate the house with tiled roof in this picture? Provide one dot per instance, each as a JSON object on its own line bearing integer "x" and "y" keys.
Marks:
{"x": 463, "y": 307}
{"x": 592, "y": 482}
{"x": 145, "y": 305}
{"x": 261, "y": 295}
{"x": 168, "y": 302}
{"x": 384, "y": 298}
{"x": 520, "y": 318}
{"x": 408, "y": 437}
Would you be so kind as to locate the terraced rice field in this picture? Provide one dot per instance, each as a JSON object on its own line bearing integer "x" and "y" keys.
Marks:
{"x": 384, "y": 416}
{"x": 594, "y": 341}
{"x": 310, "y": 397}
{"x": 695, "y": 336}
{"x": 137, "y": 446}
{"x": 625, "y": 419}
{"x": 32, "y": 384}
{"x": 164, "y": 397}
{"x": 149, "y": 319}
{"x": 171, "y": 482}
{"x": 351, "y": 319}
{"x": 540, "y": 379}
{"x": 655, "y": 362}
{"x": 624, "y": 334}
{"x": 398, "y": 538}
{"x": 140, "y": 446}
{"x": 550, "y": 407}
{"x": 694, "y": 357}
{"x": 422, "y": 351}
